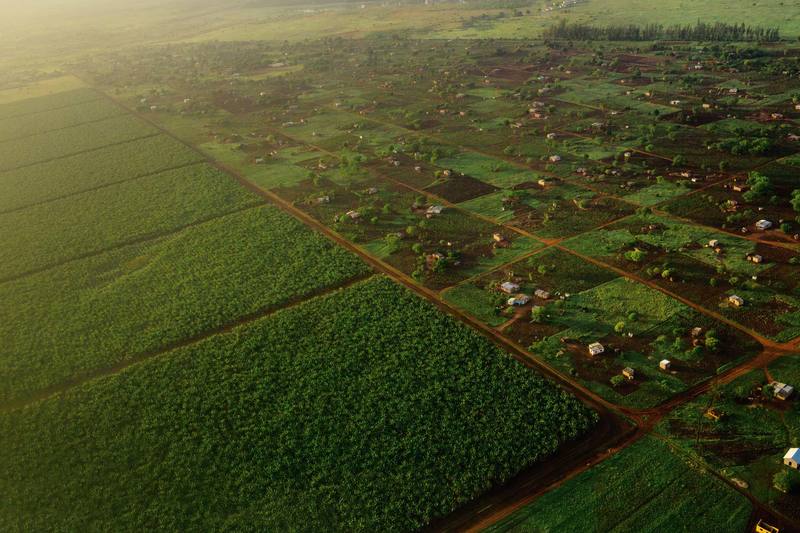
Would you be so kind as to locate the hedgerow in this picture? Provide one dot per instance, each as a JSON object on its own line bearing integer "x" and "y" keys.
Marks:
{"x": 364, "y": 410}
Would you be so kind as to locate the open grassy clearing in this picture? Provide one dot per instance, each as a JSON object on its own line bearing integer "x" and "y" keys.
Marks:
{"x": 349, "y": 410}
{"x": 94, "y": 313}
{"x": 646, "y": 487}
{"x": 75, "y": 174}
{"x": 49, "y": 234}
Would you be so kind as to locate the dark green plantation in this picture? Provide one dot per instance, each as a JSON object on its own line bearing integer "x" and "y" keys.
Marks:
{"x": 345, "y": 412}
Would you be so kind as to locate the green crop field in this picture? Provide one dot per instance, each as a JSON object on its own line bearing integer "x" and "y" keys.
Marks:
{"x": 54, "y": 144}
{"x": 51, "y": 102}
{"x": 50, "y": 234}
{"x": 32, "y": 124}
{"x": 91, "y": 314}
{"x": 644, "y": 488}
{"x": 347, "y": 410}
{"x": 71, "y": 175}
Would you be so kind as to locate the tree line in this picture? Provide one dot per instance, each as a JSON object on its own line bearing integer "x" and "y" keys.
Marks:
{"x": 700, "y": 31}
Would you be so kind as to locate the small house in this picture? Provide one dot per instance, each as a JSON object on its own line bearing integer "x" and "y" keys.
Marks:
{"x": 354, "y": 215}
{"x": 797, "y": 107}
{"x": 763, "y": 225}
{"x": 498, "y": 238}
{"x": 736, "y": 301}
{"x": 739, "y": 187}
{"x": 434, "y": 210}
{"x": 551, "y": 136}
{"x": 665, "y": 364}
{"x": 792, "y": 458}
{"x": 431, "y": 260}
{"x": 755, "y": 258}
{"x": 519, "y": 300}
{"x": 324, "y": 199}
{"x": 782, "y": 391}
{"x": 596, "y": 349}
{"x": 542, "y": 294}
{"x": 509, "y": 287}
{"x": 629, "y": 373}
{"x": 706, "y": 106}
{"x": 674, "y": 102}
{"x": 712, "y": 413}
{"x": 554, "y": 158}
{"x": 713, "y": 243}
{"x": 764, "y": 527}
{"x": 697, "y": 331}
{"x": 777, "y": 116}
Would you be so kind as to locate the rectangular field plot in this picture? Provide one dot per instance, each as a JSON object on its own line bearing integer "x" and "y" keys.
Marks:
{"x": 17, "y": 153}
{"x": 39, "y": 104}
{"x": 69, "y": 175}
{"x": 680, "y": 257}
{"x": 94, "y": 313}
{"x": 646, "y": 488}
{"x": 347, "y": 409}
{"x": 27, "y": 125}
{"x": 753, "y": 432}
{"x": 49, "y": 234}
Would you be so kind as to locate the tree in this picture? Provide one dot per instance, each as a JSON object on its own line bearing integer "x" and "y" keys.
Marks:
{"x": 795, "y": 201}
{"x": 617, "y": 380}
{"x": 619, "y": 327}
{"x": 538, "y": 314}
{"x": 787, "y": 481}
{"x": 760, "y": 187}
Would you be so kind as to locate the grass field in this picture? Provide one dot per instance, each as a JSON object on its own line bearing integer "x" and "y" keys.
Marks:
{"x": 348, "y": 410}
{"x": 646, "y": 487}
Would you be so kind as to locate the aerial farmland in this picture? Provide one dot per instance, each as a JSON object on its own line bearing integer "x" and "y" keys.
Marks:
{"x": 432, "y": 266}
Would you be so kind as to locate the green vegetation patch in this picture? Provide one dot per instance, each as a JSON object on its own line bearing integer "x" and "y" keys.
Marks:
{"x": 646, "y": 487}
{"x": 70, "y": 175}
{"x": 48, "y": 234}
{"x": 47, "y": 103}
{"x": 139, "y": 299}
{"x": 69, "y": 141}
{"x": 27, "y": 125}
{"x": 349, "y": 410}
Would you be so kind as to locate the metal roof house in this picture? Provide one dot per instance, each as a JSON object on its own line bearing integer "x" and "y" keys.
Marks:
{"x": 596, "y": 348}
{"x": 792, "y": 458}
{"x": 519, "y": 299}
{"x": 509, "y": 287}
{"x": 782, "y": 390}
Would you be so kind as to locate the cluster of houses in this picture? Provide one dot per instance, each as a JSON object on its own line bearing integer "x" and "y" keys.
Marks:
{"x": 518, "y": 298}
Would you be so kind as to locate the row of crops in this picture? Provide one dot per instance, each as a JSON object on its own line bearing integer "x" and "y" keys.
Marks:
{"x": 118, "y": 305}
{"x": 365, "y": 410}
{"x": 53, "y": 144}
{"x": 49, "y": 234}
{"x": 646, "y": 488}
{"x": 78, "y": 173}
{"x": 50, "y": 102}
{"x": 65, "y": 117}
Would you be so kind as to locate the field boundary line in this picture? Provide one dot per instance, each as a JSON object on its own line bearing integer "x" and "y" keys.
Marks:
{"x": 120, "y": 366}
{"x": 153, "y": 236}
